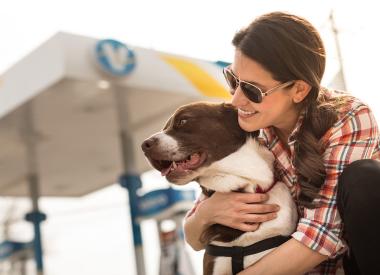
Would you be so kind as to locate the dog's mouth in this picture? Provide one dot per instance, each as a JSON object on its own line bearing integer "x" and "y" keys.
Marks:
{"x": 174, "y": 168}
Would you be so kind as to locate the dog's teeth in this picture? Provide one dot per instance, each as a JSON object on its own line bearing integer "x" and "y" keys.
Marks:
{"x": 174, "y": 164}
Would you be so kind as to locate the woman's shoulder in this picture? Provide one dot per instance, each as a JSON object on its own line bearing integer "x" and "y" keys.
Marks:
{"x": 353, "y": 115}
{"x": 347, "y": 105}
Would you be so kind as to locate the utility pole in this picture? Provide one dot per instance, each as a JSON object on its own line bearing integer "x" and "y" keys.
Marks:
{"x": 338, "y": 49}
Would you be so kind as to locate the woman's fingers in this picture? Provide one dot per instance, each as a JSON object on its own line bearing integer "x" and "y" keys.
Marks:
{"x": 248, "y": 222}
{"x": 252, "y": 197}
{"x": 248, "y": 227}
{"x": 251, "y": 222}
{"x": 238, "y": 210}
{"x": 259, "y": 208}
{"x": 258, "y": 218}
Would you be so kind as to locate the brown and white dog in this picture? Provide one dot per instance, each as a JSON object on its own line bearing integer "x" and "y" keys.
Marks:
{"x": 203, "y": 142}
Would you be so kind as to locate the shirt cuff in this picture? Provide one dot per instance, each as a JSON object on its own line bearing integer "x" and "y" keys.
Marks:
{"x": 318, "y": 238}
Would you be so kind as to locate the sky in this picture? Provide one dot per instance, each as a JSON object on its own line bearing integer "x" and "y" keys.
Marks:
{"x": 91, "y": 235}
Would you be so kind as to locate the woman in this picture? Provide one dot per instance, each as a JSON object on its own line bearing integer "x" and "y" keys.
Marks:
{"x": 326, "y": 146}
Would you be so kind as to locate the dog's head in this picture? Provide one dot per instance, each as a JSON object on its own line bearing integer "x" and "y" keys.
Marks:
{"x": 194, "y": 137}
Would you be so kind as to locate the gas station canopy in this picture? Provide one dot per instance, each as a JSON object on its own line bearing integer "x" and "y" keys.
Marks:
{"x": 62, "y": 114}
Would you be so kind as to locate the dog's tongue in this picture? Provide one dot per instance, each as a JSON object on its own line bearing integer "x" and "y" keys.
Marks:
{"x": 173, "y": 166}
{"x": 166, "y": 171}
{"x": 183, "y": 165}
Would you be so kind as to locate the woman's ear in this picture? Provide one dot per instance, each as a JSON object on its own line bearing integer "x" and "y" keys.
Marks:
{"x": 302, "y": 89}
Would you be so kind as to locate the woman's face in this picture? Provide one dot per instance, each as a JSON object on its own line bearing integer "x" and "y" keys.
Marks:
{"x": 277, "y": 109}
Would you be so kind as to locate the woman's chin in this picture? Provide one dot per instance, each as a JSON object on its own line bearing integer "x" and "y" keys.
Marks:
{"x": 248, "y": 125}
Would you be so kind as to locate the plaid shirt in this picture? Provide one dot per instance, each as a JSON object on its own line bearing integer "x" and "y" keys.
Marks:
{"x": 354, "y": 136}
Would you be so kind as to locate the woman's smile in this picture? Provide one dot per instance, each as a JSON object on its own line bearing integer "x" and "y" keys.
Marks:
{"x": 245, "y": 113}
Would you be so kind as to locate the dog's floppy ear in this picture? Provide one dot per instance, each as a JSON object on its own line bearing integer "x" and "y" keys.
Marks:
{"x": 230, "y": 114}
{"x": 228, "y": 107}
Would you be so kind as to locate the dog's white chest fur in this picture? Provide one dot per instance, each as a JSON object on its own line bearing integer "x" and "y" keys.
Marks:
{"x": 247, "y": 168}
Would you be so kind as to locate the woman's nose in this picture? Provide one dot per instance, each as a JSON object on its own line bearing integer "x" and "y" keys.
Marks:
{"x": 239, "y": 99}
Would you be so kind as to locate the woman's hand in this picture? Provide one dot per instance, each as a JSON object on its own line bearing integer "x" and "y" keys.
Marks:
{"x": 243, "y": 211}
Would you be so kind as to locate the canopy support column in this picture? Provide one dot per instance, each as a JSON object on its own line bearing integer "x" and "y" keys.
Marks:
{"x": 129, "y": 180}
{"x": 35, "y": 216}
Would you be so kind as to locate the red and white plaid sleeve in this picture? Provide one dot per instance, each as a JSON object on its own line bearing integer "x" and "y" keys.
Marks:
{"x": 353, "y": 137}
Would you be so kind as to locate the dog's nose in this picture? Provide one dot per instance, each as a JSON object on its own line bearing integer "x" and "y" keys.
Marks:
{"x": 149, "y": 143}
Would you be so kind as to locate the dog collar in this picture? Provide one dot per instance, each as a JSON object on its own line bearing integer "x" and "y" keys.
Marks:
{"x": 262, "y": 191}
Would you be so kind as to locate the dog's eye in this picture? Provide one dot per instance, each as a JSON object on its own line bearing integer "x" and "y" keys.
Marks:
{"x": 182, "y": 122}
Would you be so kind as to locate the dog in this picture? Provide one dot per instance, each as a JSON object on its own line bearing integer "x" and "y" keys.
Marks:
{"x": 203, "y": 142}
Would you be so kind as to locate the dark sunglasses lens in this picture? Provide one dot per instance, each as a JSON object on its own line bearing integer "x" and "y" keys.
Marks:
{"x": 251, "y": 92}
{"x": 231, "y": 81}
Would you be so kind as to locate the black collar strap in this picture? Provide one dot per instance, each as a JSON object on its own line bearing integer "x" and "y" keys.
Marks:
{"x": 237, "y": 253}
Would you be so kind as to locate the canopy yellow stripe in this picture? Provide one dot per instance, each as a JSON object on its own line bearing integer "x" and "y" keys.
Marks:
{"x": 202, "y": 80}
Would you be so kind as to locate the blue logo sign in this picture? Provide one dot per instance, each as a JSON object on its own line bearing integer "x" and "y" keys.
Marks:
{"x": 115, "y": 57}
{"x": 157, "y": 201}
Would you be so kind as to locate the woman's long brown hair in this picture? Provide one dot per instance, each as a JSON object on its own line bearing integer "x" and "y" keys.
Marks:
{"x": 290, "y": 48}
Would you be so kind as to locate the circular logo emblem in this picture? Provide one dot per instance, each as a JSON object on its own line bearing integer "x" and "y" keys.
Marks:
{"x": 115, "y": 57}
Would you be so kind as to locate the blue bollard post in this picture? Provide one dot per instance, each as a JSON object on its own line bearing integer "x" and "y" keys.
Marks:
{"x": 36, "y": 218}
{"x": 132, "y": 183}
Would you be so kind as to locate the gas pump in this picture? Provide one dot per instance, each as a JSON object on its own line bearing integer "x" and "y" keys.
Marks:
{"x": 14, "y": 257}
{"x": 167, "y": 207}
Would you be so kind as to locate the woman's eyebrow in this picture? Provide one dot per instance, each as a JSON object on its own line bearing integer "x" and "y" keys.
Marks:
{"x": 255, "y": 83}
{"x": 250, "y": 82}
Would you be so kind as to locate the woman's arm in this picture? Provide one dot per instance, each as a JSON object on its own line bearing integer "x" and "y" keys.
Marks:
{"x": 194, "y": 225}
{"x": 243, "y": 211}
{"x": 290, "y": 258}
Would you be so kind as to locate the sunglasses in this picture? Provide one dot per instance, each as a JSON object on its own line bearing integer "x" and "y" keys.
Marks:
{"x": 251, "y": 91}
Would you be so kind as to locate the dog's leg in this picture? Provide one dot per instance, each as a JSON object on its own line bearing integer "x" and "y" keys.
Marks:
{"x": 208, "y": 264}
{"x": 222, "y": 266}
